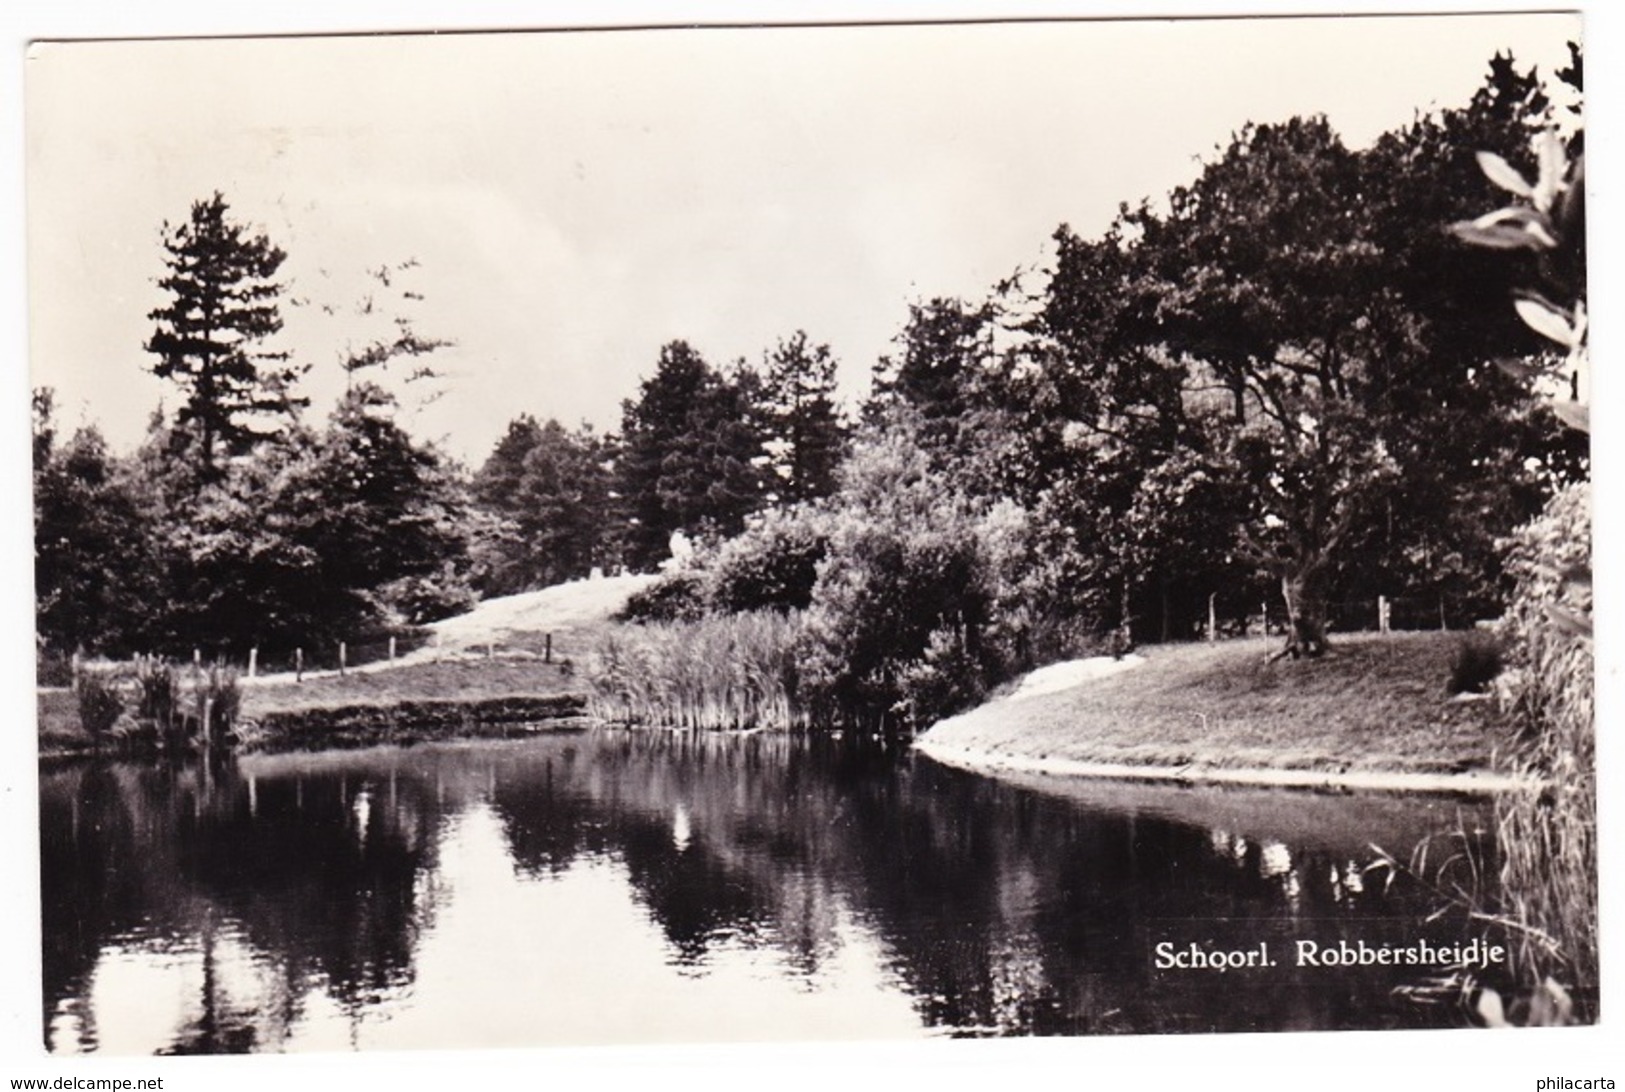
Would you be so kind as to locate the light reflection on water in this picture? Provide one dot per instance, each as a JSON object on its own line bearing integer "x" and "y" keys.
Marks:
{"x": 621, "y": 888}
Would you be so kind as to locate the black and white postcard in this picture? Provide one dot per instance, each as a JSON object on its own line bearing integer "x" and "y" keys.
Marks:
{"x": 846, "y": 531}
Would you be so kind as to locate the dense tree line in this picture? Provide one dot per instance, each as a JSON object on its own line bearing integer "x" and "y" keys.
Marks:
{"x": 1278, "y": 385}
{"x": 238, "y": 524}
{"x": 1275, "y": 384}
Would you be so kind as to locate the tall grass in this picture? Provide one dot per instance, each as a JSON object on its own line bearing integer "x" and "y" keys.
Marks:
{"x": 1544, "y": 905}
{"x": 158, "y": 693}
{"x": 164, "y": 702}
{"x": 216, "y": 700}
{"x": 1548, "y": 836}
{"x": 732, "y": 671}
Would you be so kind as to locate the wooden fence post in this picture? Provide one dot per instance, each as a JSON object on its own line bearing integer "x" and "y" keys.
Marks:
{"x": 547, "y": 654}
{"x": 1212, "y": 621}
{"x": 343, "y": 657}
{"x": 253, "y": 662}
{"x": 392, "y": 648}
{"x": 298, "y": 665}
{"x": 1265, "y": 605}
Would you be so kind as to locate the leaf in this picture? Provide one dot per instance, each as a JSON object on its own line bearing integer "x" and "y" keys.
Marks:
{"x": 1493, "y": 238}
{"x": 1546, "y": 321}
{"x": 1522, "y": 369}
{"x": 1570, "y": 622}
{"x": 1553, "y": 164}
{"x": 1503, "y": 174}
{"x": 1576, "y": 415}
{"x": 1536, "y": 224}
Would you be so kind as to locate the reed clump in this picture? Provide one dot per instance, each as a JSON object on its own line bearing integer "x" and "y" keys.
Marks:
{"x": 99, "y": 700}
{"x": 1548, "y": 835}
{"x": 731, "y": 671}
{"x": 151, "y": 699}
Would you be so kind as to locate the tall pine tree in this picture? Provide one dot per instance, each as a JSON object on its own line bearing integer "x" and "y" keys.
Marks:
{"x": 208, "y": 339}
{"x": 805, "y": 433}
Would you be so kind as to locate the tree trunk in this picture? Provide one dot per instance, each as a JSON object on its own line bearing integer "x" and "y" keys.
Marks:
{"x": 1123, "y": 639}
{"x": 1305, "y": 610}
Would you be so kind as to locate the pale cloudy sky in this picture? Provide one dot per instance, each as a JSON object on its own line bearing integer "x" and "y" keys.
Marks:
{"x": 575, "y": 200}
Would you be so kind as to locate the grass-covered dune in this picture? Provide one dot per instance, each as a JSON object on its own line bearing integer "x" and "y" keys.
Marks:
{"x": 1372, "y": 705}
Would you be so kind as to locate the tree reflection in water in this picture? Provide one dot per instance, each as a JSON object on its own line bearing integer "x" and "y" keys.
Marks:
{"x": 295, "y": 897}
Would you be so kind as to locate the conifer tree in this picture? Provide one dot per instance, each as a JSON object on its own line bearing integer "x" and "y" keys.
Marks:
{"x": 804, "y": 428}
{"x": 208, "y": 339}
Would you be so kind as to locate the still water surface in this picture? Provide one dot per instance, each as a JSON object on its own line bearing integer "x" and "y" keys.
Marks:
{"x": 621, "y": 887}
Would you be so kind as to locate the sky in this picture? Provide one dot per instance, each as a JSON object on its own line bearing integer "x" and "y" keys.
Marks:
{"x": 573, "y": 201}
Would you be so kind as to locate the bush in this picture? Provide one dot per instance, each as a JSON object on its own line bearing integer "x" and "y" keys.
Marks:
{"x": 908, "y": 558}
{"x": 772, "y": 566}
{"x": 1479, "y": 660}
{"x": 100, "y": 704}
{"x": 419, "y": 600}
{"x": 675, "y": 597}
{"x": 946, "y": 679}
{"x": 52, "y": 668}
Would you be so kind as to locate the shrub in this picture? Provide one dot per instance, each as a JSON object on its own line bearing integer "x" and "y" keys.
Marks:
{"x": 52, "y": 668}
{"x": 908, "y": 557}
{"x": 419, "y": 600}
{"x": 1478, "y": 661}
{"x": 946, "y": 679}
{"x": 677, "y": 596}
{"x": 100, "y": 704}
{"x": 772, "y": 566}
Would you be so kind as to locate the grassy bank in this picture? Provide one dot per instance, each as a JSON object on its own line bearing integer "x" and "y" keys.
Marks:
{"x": 1373, "y": 703}
{"x": 467, "y": 681}
{"x": 564, "y": 621}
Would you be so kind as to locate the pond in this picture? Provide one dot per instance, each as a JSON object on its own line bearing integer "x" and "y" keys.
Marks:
{"x": 643, "y": 887}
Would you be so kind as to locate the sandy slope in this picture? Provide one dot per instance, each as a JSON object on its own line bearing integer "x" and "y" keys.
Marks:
{"x": 554, "y": 609}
